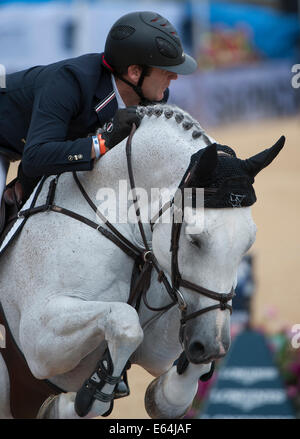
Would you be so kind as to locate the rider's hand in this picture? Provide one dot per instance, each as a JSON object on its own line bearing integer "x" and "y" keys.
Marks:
{"x": 120, "y": 126}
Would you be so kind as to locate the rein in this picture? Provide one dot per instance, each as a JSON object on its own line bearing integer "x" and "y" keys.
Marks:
{"x": 144, "y": 259}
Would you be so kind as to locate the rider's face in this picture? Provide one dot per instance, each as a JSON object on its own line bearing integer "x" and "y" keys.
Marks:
{"x": 156, "y": 83}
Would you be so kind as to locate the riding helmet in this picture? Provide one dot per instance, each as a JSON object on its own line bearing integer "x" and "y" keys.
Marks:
{"x": 147, "y": 38}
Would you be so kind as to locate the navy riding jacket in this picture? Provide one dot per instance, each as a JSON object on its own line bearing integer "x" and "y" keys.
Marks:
{"x": 46, "y": 112}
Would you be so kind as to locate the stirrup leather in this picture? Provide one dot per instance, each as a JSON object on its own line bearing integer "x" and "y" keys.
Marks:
{"x": 92, "y": 387}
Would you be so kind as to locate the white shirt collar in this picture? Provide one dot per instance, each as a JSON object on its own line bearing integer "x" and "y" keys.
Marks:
{"x": 118, "y": 96}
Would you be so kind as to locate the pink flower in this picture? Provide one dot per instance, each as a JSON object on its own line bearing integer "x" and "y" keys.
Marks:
{"x": 292, "y": 391}
{"x": 203, "y": 388}
{"x": 295, "y": 368}
{"x": 190, "y": 414}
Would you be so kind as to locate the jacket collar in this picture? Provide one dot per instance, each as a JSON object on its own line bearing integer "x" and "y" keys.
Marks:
{"x": 106, "y": 102}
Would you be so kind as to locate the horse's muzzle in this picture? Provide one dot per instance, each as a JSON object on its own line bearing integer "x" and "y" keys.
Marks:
{"x": 198, "y": 352}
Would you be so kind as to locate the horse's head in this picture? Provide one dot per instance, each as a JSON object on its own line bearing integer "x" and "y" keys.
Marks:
{"x": 205, "y": 255}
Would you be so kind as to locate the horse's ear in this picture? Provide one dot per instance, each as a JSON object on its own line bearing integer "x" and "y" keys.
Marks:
{"x": 202, "y": 170}
{"x": 256, "y": 163}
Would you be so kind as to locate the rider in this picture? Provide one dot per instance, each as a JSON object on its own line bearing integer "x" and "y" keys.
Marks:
{"x": 47, "y": 112}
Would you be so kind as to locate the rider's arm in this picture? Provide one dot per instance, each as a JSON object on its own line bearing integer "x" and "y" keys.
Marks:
{"x": 47, "y": 151}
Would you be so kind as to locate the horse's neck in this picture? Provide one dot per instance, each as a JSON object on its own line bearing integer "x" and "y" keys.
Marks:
{"x": 161, "y": 153}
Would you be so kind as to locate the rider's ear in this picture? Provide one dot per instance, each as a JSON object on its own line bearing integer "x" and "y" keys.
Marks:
{"x": 133, "y": 73}
{"x": 256, "y": 163}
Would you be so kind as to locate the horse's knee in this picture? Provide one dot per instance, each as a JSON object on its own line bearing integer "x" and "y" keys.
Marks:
{"x": 123, "y": 325}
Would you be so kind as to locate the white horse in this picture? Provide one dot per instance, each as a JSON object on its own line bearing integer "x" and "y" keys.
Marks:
{"x": 65, "y": 287}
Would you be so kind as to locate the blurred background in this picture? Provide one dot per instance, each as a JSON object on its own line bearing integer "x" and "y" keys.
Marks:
{"x": 245, "y": 94}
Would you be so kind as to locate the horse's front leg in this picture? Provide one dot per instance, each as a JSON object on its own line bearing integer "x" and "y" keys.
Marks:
{"x": 170, "y": 395}
{"x": 57, "y": 335}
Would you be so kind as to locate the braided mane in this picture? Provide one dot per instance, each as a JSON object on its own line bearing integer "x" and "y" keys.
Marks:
{"x": 172, "y": 112}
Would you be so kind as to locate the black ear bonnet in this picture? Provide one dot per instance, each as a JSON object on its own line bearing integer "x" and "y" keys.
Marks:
{"x": 226, "y": 179}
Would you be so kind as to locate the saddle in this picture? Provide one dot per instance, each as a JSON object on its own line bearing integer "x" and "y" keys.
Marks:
{"x": 14, "y": 197}
{"x": 11, "y": 199}
{"x": 12, "y": 202}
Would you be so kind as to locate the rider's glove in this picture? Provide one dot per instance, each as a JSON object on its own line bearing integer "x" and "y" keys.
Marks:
{"x": 119, "y": 127}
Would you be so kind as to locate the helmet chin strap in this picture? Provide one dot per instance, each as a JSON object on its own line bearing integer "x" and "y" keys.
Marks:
{"x": 138, "y": 88}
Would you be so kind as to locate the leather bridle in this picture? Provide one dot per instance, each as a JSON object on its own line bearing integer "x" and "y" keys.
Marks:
{"x": 177, "y": 280}
{"x": 144, "y": 259}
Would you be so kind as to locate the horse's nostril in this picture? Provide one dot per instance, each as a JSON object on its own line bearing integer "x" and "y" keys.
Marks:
{"x": 196, "y": 349}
